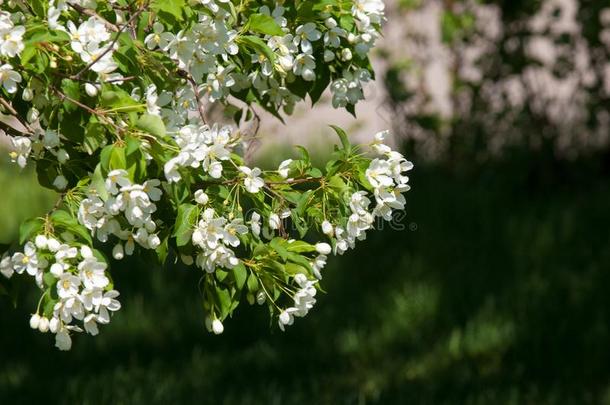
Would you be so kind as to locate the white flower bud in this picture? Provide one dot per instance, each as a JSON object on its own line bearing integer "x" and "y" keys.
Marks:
{"x": 154, "y": 241}
{"x": 351, "y": 38}
{"x": 53, "y": 244}
{"x": 27, "y": 94}
{"x": 274, "y": 221}
{"x": 32, "y": 115}
{"x": 327, "y": 228}
{"x": 346, "y": 54}
{"x": 201, "y": 197}
{"x": 62, "y": 156}
{"x": 91, "y": 90}
{"x": 35, "y": 321}
{"x": 41, "y": 242}
{"x": 60, "y": 182}
{"x": 57, "y": 269}
{"x": 261, "y": 297}
{"x": 328, "y": 55}
{"x": 323, "y": 248}
{"x": 217, "y": 327}
{"x": 43, "y": 325}
{"x": 118, "y": 252}
{"x": 54, "y": 325}
{"x": 330, "y": 23}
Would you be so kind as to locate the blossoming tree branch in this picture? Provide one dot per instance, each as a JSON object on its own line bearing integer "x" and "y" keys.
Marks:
{"x": 108, "y": 100}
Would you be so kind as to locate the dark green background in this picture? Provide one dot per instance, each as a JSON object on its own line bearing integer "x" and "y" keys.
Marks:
{"x": 495, "y": 292}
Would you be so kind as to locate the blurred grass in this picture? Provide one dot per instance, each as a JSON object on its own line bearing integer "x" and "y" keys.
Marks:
{"x": 20, "y": 197}
{"x": 494, "y": 293}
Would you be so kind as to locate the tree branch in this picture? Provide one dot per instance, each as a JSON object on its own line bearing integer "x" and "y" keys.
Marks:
{"x": 92, "y": 13}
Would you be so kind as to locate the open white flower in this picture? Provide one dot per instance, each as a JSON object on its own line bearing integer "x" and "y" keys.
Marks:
{"x": 117, "y": 179}
{"x": 252, "y": 182}
{"x": 26, "y": 261}
{"x": 305, "y": 34}
{"x": 68, "y": 285}
{"x": 9, "y": 78}
{"x": 22, "y": 147}
{"x": 11, "y": 42}
{"x": 284, "y": 168}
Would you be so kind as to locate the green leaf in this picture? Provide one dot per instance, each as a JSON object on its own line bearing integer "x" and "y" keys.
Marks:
{"x": 223, "y": 298}
{"x": 151, "y": 124}
{"x": 347, "y": 146}
{"x": 278, "y": 244}
{"x": 98, "y": 183}
{"x": 264, "y": 24}
{"x": 240, "y": 274}
{"x": 28, "y": 53}
{"x": 185, "y": 220}
{"x": 71, "y": 89}
{"x": 67, "y": 222}
{"x": 299, "y": 246}
{"x": 117, "y": 158}
{"x": 49, "y": 279}
{"x": 30, "y": 228}
{"x": 119, "y": 99}
{"x": 252, "y": 284}
{"x": 95, "y": 137}
{"x": 258, "y": 45}
{"x": 173, "y": 7}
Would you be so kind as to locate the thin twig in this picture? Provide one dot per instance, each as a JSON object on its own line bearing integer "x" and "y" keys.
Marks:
{"x": 87, "y": 108}
{"x": 92, "y": 13}
{"x": 200, "y": 106}
{"x": 14, "y": 113}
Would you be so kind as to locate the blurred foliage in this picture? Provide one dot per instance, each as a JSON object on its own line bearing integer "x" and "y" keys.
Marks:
{"x": 494, "y": 292}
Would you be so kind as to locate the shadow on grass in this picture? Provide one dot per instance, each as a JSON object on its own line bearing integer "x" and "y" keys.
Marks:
{"x": 496, "y": 292}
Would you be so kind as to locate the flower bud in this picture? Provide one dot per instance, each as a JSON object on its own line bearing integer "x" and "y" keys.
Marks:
{"x": 53, "y": 244}
{"x": 35, "y": 321}
{"x": 62, "y": 156}
{"x": 43, "y": 325}
{"x": 330, "y": 23}
{"x": 201, "y": 197}
{"x": 328, "y": 55}
{"x": 32, "y": 115}
{"x": 346, "y": 54}
{"x": 217, "y": 327}
{"x": 60, "y": 182}
{"x": 28, "y": 94}
{"x": 261, "y": 297}
{"x": 274, "y": 221}
{"x": 323, "y": 248}
{"x": 54, "y": 325}
{"x": 91, "y": 90}
{"x": 118, "y": 252}
{"x": 327, "y": 228}
{"x": 41, "y": 242}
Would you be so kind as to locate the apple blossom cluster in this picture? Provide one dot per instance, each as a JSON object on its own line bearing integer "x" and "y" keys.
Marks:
{"x": 126, "y": 213}
{"x": 40, "y": 142}
{"x": 216, "y": 236}
{"x": 206, "y": 50}
{"x": 76, "y": 286}
{"x": 11, "y": 45}
{"x": 201, "y": 146}
{"x": 304, "y": 300}
{"x": 110, "y": 101}
{"x": 387, "y": 177}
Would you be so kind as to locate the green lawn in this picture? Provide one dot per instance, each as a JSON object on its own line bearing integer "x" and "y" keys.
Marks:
{"x": 496, "y": 292}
